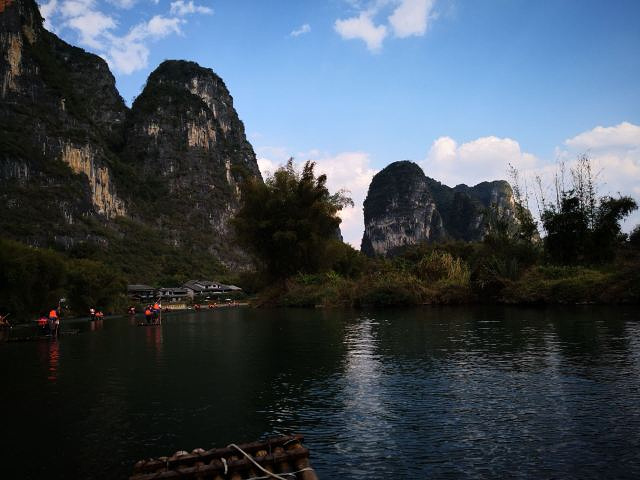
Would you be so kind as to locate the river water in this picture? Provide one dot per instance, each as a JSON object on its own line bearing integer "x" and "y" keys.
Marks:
{"x": 410, "y": 394}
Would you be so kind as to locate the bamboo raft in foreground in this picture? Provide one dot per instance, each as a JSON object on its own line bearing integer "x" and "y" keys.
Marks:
{"x": 281, "y": 458}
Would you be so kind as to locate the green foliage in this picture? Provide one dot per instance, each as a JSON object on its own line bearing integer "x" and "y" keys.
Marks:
{"x": 606, "y": 233}
{"x": 582, "y": 228}
{"x": 92, "y": 284}
{"x": 558, "y": 285}
{"x": 289, "y": 221}
{"x": 143, "y": 255}
{"x": 343, "y": 259}
{"x": 526, "y": 226}
{"x": 441, "y": 266}
{"x": 33, "y": 280}
{"x": 575, "y": 236}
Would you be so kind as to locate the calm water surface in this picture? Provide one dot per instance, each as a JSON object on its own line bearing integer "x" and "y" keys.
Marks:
{"x": 424, "y": 393}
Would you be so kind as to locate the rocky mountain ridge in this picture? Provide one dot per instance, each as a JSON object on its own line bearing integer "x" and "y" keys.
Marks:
{"x": 405, "y": 207}
{"x": 81, "y": 170}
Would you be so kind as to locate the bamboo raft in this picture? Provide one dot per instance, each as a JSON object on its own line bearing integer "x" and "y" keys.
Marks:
{"x": 281, "y": 458}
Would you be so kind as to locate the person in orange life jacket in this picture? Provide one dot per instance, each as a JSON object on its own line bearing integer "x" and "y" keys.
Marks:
{"x": 54, "y": 322}
{"x": 156, "y": 311}
{"x": 147, "y": 314}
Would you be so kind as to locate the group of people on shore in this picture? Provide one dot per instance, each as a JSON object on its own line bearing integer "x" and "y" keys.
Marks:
{"x": 95, "y": 314}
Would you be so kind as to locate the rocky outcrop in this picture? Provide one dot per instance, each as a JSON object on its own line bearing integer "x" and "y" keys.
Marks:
{"x": 404, "y": 207}
{"x": 59, "y": 115}
{"x": 75, "y": 160}
{"x": 82, "y": 160}
{"x": 184, "y": 132}
{"x": 399, "y": 210}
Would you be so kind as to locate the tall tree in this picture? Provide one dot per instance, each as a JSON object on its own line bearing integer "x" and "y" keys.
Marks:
{"x": 289, "y": 221}
{"x": 582, "y": 228}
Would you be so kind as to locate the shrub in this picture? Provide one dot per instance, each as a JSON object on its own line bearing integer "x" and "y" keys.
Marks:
{"x": 442, "y": 266}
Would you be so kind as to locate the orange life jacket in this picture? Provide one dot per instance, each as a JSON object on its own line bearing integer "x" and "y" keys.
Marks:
{"x": 53, "y": 314}
{"x": 156, "y": 306}
{"x": 147, "y": 312}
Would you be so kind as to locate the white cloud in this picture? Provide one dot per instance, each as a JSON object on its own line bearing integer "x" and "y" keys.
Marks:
{"x": 127, "y": 57}
{"x": 351, "y": 171}
{"x": 92, "y": 26}
{"x": 271, "y": 158}
{"x": 125, "y": 52}
{"x": 159, "y": 27}
{"x": 75, "y": 8}
{"x": 404, "y": 18}
{"x": 306, "y": 28}
{"x": 411, "y": 17}
{"x": 267, "y": 166}
{"x": 483, "y": 159}
{"x": 623, "y": 135}
{"x": 130, "y": 53}
{"x": 47, "y": 10}
{"x": 362, "y": 28}
{"x": 180, "y": 7}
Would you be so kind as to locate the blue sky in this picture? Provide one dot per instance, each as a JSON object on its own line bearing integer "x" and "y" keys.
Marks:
{"x": 460, "y": 87}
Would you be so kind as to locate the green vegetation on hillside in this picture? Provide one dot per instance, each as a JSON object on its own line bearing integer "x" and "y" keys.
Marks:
{"x": 95, "y": 273}
{"x": 33, "y": 280}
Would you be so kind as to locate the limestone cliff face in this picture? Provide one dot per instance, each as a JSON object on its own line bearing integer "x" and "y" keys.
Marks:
{"x": 82, "y": 160}
{"x": 19, "y": 23}
{"x": 404, "y": 207}
{"x": 184, "y": 132}
{"x": 399, "y": 210}
{"x": 59, "y": 107}
{"x": 74, "y": 160}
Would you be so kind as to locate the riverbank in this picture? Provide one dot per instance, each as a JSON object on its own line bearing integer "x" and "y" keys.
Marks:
{"x": 443, "y": 279}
